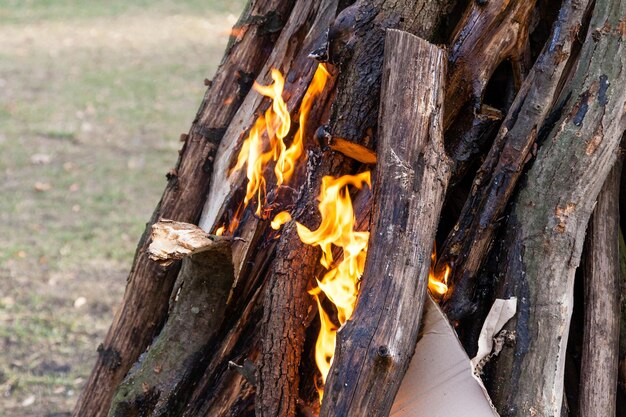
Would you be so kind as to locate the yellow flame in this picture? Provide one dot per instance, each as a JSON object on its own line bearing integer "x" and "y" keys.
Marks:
{"x": 220, "y": 231}
{"x": 280, "y": 219}
{"x": 265, "y": 141}
{"x": 341, "y": 283}
{"x": 438, "y": 280}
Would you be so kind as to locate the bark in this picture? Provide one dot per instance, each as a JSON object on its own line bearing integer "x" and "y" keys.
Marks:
{"x": 598, "y": 381}
{"x": 160, "y": 382}
{"x": 374, "y": 347}
{"x": 286, "y": 306}
{"x": 145, "y": 303}
{"x": 356, "y": 42}
{"x": 547, "y": 225}
{"x": 466, "y": 248}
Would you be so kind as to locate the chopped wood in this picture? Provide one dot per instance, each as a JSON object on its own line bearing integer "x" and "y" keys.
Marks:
{"x": 286, "y": 306}
{"x": 144, "y": 307}
{"x": 467, "y": 246}
{"x": 549, "y": 217}
{"x": 161, "y": 382}
{"x": 375, "y": 346}
{"x": 599, "y": 364}
{"x": 173, "y": 241}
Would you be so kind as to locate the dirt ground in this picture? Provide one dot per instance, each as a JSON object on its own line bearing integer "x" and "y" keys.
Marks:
{"x": 93, "y": 98}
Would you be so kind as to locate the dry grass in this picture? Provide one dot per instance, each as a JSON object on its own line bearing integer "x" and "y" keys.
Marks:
{"x": 93, "y": 97}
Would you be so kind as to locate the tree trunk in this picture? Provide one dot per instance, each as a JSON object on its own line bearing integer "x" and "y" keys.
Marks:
{"x": 547, "y": 225}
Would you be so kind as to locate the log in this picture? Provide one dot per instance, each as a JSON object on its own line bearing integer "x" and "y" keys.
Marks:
{"x": 550, "y": 214}
{"x": 159, "y": 384}
{"x": 621, "y": 387}
{"x": 356, "y": 42}
{"x": 374, "y": 347}
{"x": 145, "y": 303}
{"x": 468, "y": 244}
{"x": 599, "y": 365}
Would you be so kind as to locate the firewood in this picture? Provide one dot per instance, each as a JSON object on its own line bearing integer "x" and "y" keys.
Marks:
{"x": 160, "y": 383}
{"x": 144, "y": 307}
{"x": 375, "y": 346}
{"x": 598, "y": 375}
{"x": 467, "y": 246}
{"x": 286, "y": 306}
{"x": 351, "y": 149}
{"x": 550, "y": 214}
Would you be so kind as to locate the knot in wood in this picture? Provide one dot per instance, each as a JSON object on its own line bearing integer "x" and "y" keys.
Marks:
{"x": 383, "y": 352}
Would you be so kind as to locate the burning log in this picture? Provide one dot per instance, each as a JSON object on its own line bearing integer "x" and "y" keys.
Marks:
{"x": 547, "y": 224}
{"x": 599, "y": 368}
{"x": 375, "y": 346}
{"x": 158, "y": 383}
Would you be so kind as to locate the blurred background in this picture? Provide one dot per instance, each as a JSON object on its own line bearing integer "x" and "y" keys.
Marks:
{"x": 93, "y": 98}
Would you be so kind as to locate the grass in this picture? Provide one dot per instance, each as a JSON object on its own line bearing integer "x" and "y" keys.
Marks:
{"x": 92, "y": 102}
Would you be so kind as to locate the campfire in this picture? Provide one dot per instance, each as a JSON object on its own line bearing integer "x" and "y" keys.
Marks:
{"x": 385, "y": 216}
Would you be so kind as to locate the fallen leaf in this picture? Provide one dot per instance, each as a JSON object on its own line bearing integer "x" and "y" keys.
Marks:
{"x": 42, "y": 186}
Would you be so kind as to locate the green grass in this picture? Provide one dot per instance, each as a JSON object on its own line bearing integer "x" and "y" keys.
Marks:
{"x": 87, "y": 133}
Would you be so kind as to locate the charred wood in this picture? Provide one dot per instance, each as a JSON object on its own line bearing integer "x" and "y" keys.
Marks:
{"x": 356, "y": 41}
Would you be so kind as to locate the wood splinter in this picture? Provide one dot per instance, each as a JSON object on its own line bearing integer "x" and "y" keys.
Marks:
{"x": 173, "y": 241}
{"x": 346, "y": 147}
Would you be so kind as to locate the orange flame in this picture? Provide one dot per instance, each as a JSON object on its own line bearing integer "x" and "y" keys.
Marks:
{"x": 275, "y": 125}
{"x": 438, "y": 280}
{"x": 341, "y": 283}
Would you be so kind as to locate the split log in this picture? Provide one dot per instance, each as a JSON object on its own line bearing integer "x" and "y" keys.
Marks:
{"x": 145, "y": 303}
{"x": 468, "y": 245}
{"x": 546, "y": 227}
{"x": 160, "y": 382}
{"x": 375, "y": 346}
{"x": 598, "y": 375}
